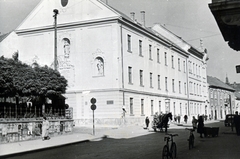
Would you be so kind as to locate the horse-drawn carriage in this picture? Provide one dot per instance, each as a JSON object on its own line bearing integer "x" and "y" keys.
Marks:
{"x": 161, "y": 121}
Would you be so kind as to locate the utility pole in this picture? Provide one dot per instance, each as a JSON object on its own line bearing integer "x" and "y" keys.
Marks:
{"x": 55, "y": 11}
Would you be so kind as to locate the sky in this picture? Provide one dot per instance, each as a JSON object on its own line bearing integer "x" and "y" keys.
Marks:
{"x": 192, "y": 20}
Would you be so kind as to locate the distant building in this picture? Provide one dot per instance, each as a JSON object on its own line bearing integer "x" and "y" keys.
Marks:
{"x": 236, "y": 86}
{"x": 132, "y": 70}
{"x": 221, "y": 98}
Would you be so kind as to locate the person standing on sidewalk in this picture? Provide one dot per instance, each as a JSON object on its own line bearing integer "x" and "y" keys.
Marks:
{"x": 200, "y": 127}
{"x": 185, "y": 118}
{"x": 147, "y": 122}
{"x": 194, "y": 122}
{"x": 237, "y": 123}
{"x": 45, "y": 128}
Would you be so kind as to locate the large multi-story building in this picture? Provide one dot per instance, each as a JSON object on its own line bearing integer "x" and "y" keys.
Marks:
{"x": 107, "y": 55}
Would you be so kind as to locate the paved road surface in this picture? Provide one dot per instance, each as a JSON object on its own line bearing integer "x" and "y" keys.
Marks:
{"x": 148, "y": 146}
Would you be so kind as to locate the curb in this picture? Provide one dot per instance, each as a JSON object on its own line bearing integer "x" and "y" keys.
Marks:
{"x": 52, "y": 147}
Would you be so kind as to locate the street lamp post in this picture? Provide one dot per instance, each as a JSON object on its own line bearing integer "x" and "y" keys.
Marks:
{"x": 55, "y": 11}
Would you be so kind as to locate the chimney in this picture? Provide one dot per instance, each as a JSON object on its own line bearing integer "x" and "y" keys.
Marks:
{"x": 132, "y": 16}
{"x": 143, "y": 17}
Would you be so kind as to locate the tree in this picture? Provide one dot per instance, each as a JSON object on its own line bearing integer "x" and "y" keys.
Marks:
{"x": 18, "y": 78}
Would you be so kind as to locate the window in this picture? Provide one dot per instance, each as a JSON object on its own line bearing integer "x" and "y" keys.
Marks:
{"x": 200, "y": 90}
{"x": 173, "y": 89}
{"x": 190, "y": 67}
{"x": 174, "y": 107}
{"x": 130, "y": 75}
{"x": 142, "y": 106}
{"x": 151, "y": 80}
{"x": 194, "y": 88}
{"x": 180, "y": 108}
{"x": 159, "y": 84}
{"x": 165, "y": 57}
{"x": 197, "y": 89}
{"x": 199, "y": 70}
{"x": 159, "y": 106}
{"x": 150, "y": 52}
{"x": 193, "y": 68}
{"x": 172, "y": 61}
{"x": 131, "y": 106}
{"x": 180, "y": 87}
{"x": 141, "y": 77}
{"x": 185, "y": 87}
{"x": 140, "y": 48}
{"x": 152, "y": 112}
{"x": 196, "y": 69}
{"x": 166, "y": 84}
{"x": 129, "y": 43}
{"x": 179, "y": 69}
{"x": 158, "y": 56}
{"x": 184, "y": 66}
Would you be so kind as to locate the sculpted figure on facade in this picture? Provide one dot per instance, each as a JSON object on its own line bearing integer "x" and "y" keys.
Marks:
{"x": 65, "y": 66}
{"x": 64, "y": 60}
{"x": 100, "y": 66}
{"x": 98, "y": 63}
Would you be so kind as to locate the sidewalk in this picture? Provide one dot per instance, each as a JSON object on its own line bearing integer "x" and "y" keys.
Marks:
{"x": 81, "y": 134}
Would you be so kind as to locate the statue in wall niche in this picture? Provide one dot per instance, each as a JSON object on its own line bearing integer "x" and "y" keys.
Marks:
{"x": 98, "y": 63}
{"x": 66, "y": 48}
{"x": 64, "y": 60}
{"x": 100, "y": 66}
{"x": 64, "y": 63}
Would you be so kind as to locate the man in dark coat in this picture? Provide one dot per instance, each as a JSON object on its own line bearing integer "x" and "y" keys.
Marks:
{"x": 147, "y": 122}
{"x": 237, "y": 123}
{"x": 200, "y": 128}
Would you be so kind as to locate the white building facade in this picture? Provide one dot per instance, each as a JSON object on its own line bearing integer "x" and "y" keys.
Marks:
{"x": 111, "y": 57}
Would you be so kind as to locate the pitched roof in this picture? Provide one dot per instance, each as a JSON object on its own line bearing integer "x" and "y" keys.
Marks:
{"x": 216, "y": 83}
{"x": 2, "y": 37}
{"x": 237, "y": 94}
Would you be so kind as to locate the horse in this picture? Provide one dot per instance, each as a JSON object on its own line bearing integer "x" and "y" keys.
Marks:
{"x": 164, "y": 121}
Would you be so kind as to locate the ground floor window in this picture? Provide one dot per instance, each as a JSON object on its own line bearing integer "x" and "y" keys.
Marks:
{"x": 131, "y": 106}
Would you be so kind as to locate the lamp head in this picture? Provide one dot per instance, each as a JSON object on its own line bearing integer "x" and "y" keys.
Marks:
{"x": 55, "y": 11}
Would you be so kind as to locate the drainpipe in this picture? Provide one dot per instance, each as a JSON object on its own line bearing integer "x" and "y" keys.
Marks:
{"x": 122, "y": 64}
{"x": 187, "y": 87}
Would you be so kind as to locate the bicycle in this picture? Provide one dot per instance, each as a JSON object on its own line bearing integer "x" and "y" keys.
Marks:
{"x": 172, "y": 151}
{"x": 191, "y": 138}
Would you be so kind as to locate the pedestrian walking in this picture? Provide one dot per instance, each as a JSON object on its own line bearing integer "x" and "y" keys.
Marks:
{"x": 200, "y": 128}
{"x": 185, "y": 118}
{"x": 179, "y": 118}
{"x": 147, "y": 122}
{"x": 237, "y": 123}
{"x": 175, "y": 118}
{"x": 45, "y": 129}
{"x": 194, "y": 122}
